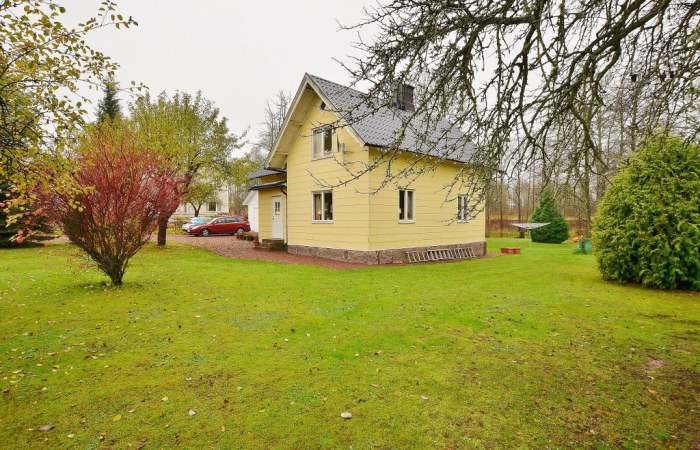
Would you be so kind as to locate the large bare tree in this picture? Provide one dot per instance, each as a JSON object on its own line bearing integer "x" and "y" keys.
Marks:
{"x": 516, "y": 75}
{"x": 271, "y": 126}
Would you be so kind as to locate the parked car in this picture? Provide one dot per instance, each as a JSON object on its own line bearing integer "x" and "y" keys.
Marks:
{"x": 221, "y": 225}
{"x": 194, "y": 221}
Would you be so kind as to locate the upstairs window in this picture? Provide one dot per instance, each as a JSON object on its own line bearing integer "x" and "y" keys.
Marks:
{"x": 463, "y": 208}
{"x": 407, "y": 206}
{"x": 323, "y": 206}
{"x": 322, "y": 143}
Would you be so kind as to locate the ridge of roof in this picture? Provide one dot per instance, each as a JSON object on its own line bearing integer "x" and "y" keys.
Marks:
{"x": 380, "y": 126}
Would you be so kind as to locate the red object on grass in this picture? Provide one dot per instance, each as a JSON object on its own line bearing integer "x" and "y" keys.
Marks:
{"x": 510, "y": 250}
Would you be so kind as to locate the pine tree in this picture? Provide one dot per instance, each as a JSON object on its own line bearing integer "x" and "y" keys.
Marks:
{"x": 109, "y": 107}
{"x": 558, "y": 229}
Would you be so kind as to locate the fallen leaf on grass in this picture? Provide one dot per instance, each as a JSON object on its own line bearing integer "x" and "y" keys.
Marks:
{"x": 425, "y": 397}
{"x": 191, "y": 412}
{"x": 117, "y": 418}
{"x": 346, "y": 415}
{"x": 71, "y": 436}
{"x": 46, "y": 428}
{"x": 164, "y": 399}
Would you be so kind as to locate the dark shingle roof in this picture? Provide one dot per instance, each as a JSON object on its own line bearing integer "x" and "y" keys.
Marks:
{"x": 267, "y": 185}
{"x": 264, "y": 173}
{"x": 380, "y": 128}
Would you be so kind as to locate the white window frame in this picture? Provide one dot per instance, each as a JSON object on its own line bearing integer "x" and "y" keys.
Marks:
{"x": 463, "y": 215}
{"x": 404, "y": 193}
{"x": 323, "y": 207}
{"x": 318, "y": 141}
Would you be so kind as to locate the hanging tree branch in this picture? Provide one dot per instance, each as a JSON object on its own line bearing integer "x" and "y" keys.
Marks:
{"x": 509, "y": 73}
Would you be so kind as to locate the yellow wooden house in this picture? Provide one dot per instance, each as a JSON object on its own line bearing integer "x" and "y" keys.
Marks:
{"x": 319, "y": 195}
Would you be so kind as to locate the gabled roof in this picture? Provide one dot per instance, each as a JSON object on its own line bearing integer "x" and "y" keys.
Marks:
{"x": 264, "y": 173}
{"x": 380, "y": 127}
{"x": 272, "y": 184}
{"x": 252, "y": 195}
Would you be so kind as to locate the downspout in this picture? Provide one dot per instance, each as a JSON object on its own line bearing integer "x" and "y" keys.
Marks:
{"x": 286, "y": 222}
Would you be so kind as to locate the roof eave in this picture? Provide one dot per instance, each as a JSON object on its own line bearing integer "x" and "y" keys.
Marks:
{"x": 307, "y": 80}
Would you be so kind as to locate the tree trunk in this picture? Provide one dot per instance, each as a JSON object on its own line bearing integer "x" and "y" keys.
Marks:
{"x": 586, "y": 185}
{"x": 521, "y": 233}
{"x": 162, "y": 229}
{"x": 503, "y": 200}
{"x": 196, "y": 210}
{"x": 116, "y": 274}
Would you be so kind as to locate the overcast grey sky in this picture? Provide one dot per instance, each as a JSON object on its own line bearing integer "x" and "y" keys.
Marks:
{"x": 239, "y": 53}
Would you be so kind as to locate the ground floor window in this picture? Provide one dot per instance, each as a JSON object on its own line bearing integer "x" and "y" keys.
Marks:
{"x": 212, "y": 207}
{"x": 407, "y": 207}
{"x": 463, "y": 208}
{"x": 323, "y": 206}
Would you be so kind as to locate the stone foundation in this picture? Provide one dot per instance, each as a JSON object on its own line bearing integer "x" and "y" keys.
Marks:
{"x": 390, "y": 256}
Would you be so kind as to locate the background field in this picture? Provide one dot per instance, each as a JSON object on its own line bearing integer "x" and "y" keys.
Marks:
{"x": 530, "y": 350}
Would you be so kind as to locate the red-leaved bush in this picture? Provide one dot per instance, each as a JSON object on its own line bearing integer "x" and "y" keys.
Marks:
{"x": 126, "y": 190}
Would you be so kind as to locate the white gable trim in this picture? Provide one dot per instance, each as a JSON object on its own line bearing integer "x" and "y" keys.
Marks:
{"x": 278, "y": 156}
{"x": 252, "y": 195}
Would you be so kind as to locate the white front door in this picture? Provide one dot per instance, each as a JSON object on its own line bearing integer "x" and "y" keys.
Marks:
{"x": 277, "y": 219}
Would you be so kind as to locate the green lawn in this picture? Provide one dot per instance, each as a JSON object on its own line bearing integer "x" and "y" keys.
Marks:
{"x": 527, "y": 351}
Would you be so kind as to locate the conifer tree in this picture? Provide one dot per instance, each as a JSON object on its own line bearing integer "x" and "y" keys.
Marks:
{"x": 647, "y": 228}
{"x": 109, "y": 107}
{"x": 558, "y": 229}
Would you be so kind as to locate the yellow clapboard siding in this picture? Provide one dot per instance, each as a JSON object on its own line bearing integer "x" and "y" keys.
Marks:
{"x": 350, "y": 228}
{"x": 265, "y": 212}
{"x": 361, "y": 221}
{"x": 433, "y": 213}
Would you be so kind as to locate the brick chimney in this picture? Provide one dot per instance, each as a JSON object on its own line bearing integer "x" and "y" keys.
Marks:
{"x": 404, "y": 97}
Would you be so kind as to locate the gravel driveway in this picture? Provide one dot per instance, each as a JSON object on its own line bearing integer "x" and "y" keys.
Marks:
{"x": 231, "y": 247}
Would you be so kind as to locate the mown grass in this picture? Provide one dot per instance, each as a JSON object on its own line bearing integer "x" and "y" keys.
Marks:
{"x": 525, "y": 351}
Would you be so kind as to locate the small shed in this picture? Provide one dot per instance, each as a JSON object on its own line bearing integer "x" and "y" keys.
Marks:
{"x": 251, "y": 201}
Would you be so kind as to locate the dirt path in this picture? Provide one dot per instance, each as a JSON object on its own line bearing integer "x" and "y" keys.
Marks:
{"x": 231, "y": 247}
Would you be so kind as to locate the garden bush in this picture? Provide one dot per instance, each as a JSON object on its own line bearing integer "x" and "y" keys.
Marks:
{"x": 126, "y": 189}
{"x": 546, "y": 211}
{"x": 20, "y": 223}
{"x": 647, "y": 228}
